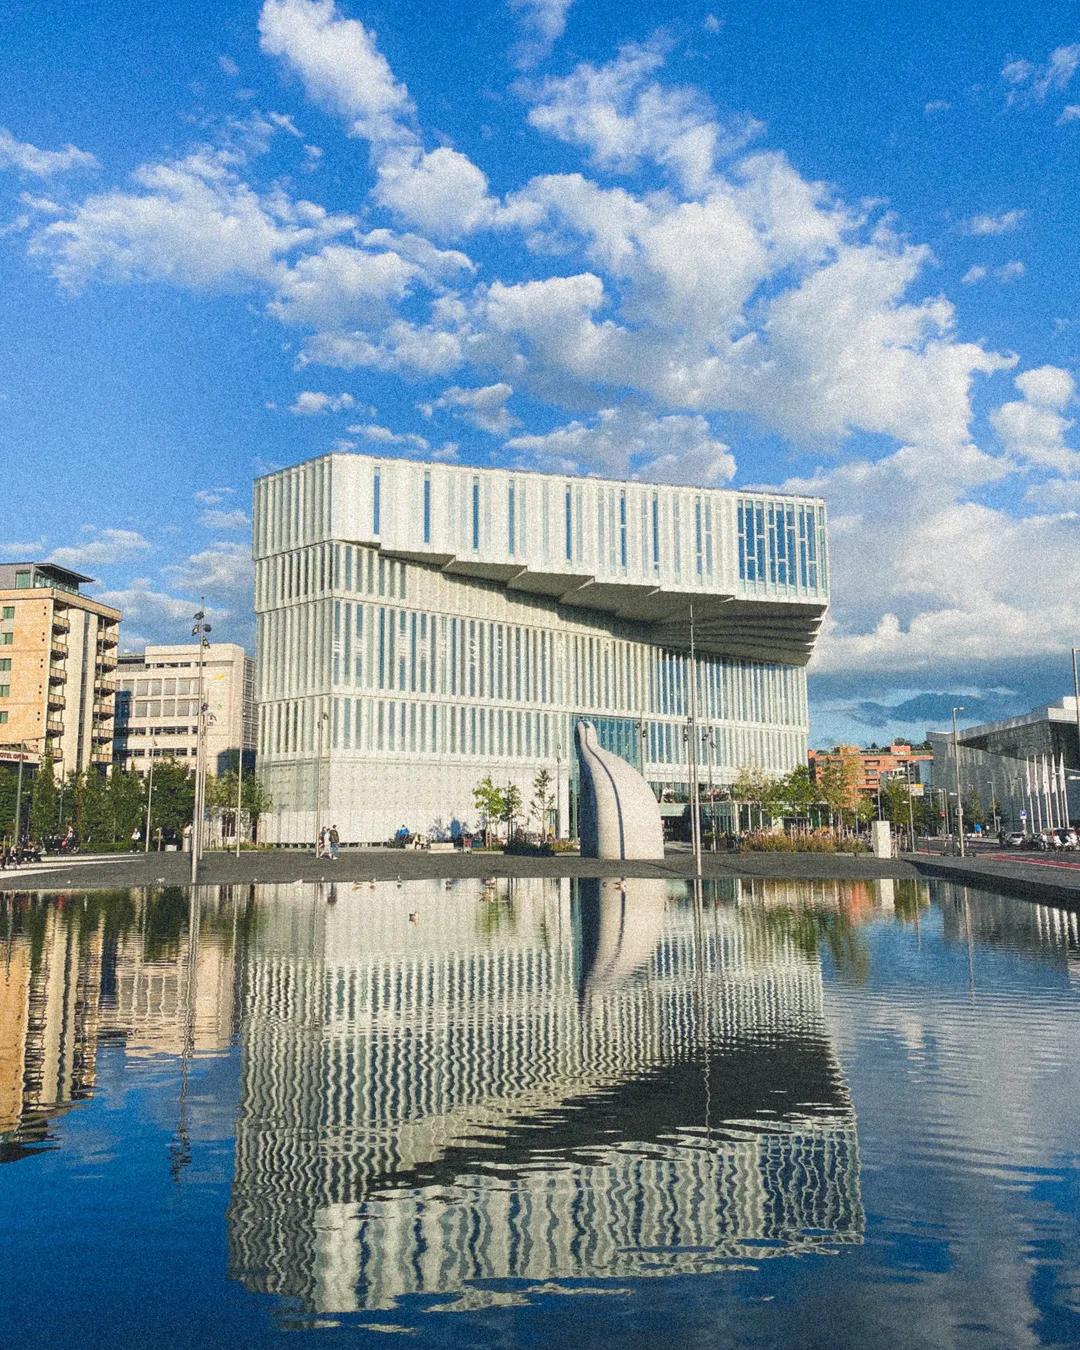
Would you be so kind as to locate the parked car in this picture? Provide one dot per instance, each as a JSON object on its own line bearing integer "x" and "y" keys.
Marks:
{"x": 1015, "y": 840}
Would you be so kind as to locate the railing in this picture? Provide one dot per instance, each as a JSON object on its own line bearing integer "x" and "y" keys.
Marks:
{"x": 57, "y": 700}
{"x": 61, "y": 623}
{"x": 54, "y": 727}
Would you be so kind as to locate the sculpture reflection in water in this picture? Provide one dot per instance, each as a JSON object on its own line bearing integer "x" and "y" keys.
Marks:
{"x": 580, "y": 1082}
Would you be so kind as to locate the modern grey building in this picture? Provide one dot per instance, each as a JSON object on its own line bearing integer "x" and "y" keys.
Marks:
{"x": 1027, "y": 765}
{"x": 422, "y": 625}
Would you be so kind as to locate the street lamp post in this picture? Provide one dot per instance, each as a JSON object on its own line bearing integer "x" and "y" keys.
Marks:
{"x": 320, "y": 723}
{"x": 18, "y": 790}
{"x": 150, "y": 794}
{"x": 1076, "y": 687}
{"x": 239, "y": 784}
{"x": 959, "y": 789}
{"x": 199, "y": 631}
{"x": 692, "y": 746}
{"x": 558, "y": 788}
{"x": 910, "y": 807}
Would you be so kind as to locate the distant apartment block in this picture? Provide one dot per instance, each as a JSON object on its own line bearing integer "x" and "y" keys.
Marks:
{"x": 877, "y": 764}
{"x": 57, "y": 662}
{"x": 157, "y": 706}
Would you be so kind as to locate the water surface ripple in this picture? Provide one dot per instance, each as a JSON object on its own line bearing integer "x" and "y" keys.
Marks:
{"x": 540, "y": 1112}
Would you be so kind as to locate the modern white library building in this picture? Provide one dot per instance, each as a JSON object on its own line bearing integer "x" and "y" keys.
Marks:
{"x": 422, "y": 626}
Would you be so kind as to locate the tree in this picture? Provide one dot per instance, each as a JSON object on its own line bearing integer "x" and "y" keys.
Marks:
{"x": 543, "y": 802}
{"x": 838, "y": 784}
{"x": 754, "y": 785}
{"x": 257, "y": 801}
{"x": 127, "y": 803}
{"x": 488, "y": 800}
{"x": 93, "y": 819}
{"x": 894, "y": 802}
{"x": 174, "y": 798}
{"x": 511, "y": 807}
{"x": 43, "y": 802}
{"x": 800, "y": 790}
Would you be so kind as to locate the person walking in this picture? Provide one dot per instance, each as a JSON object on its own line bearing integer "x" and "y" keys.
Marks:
{"x": 335, "y": 839}
{"x": 320, "y": 852}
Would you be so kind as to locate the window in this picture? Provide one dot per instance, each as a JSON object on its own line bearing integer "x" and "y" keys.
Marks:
{"x": 8, "y": 612}
{"x": 476, "y": 513}
{"x": 3, "y": 718}
{"x": 510, "y": 519}
{"x": 376, "y": 504}
{"x": 6, "y": 639}
{"x": 427, "y": 509}
{"x": 22, "y": 581}
{"x": 569, "y": 525}
{"x": 622, "y": 530}
{"x": 656, "y": 532}
{"x": 5, "y": 690}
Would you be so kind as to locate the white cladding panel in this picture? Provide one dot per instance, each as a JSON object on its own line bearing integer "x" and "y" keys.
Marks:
{"x": 421, "y": 626}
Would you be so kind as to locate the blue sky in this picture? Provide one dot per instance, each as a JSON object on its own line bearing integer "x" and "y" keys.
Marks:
{"x": 828, "y": 247}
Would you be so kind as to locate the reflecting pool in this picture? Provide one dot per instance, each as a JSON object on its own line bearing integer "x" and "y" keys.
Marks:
{"x": 540, "y": 1112}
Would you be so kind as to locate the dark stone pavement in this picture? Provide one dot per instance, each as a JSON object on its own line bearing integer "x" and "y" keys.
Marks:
{"x": 87, "y": 872}
{"x": 1054, "y": 881}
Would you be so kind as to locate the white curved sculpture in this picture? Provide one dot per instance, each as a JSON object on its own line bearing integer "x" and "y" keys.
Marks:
{"x": 617, "y": 816}
{"x": 621, "y": 924}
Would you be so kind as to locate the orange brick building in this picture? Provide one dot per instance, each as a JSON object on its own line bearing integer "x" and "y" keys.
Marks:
{"x": 876, "y": 764}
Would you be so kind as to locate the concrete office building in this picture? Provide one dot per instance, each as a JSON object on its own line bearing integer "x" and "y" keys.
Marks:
{"x": 57, "y": 658}
{"x": 423, "y": 625}
{"x": 1025, "y": 765}
{"x": 157, "y": 704}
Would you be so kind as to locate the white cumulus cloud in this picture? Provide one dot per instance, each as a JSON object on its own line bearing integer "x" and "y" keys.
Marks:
{"x": 543, "y": 23}
{"x": 103, "y": 549}
{"x": 26, "y": 158}
{"x": 483, "y": 408}
{"x": 629, "y": 441}
{"x": 192, "y": 222}
{"x": 309, "y": 403}
{"x": 340, "y": 64}
{"x": 990, "y": 224}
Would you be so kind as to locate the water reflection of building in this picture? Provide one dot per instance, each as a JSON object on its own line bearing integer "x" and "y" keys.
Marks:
{"x": 991, "y": 920}
{"x": 599, "y": 1085}
{"x": 124, "y": 968}
{"x": 48, "y": 1020}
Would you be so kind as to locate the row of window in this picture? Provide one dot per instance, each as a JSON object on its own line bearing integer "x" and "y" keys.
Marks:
{"x": 155, "y": 688}
{"x": 328, "y": 567}
{"x": 395, "y": 726}
{"x": 782, "y": 544}
{"x": 410, "y": 651}
{"x": 612, "y": 524}
{"x": 160, "y": 707}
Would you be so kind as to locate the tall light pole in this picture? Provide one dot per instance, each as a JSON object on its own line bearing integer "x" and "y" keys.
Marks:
{"x": 18, "y": 790}
{"x": 150, "y": 794}
{"x": 1076, "y": 687}
{"x": 710, "y": 746}
{"x": 199, "y": 631}
{"x": 692, "y": 746}
{"x": 959, "y": 790}
{"x": 320, "y": 723}
{"x": 910, "y": 807}
{"x": 558, "y": 787}
{"x": 239, "y": 784}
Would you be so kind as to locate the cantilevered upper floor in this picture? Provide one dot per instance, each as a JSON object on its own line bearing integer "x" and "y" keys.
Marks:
{"x": 753, "y": 565}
